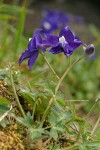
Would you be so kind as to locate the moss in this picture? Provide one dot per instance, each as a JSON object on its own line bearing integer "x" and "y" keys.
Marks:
{"x": 10, "y": 140}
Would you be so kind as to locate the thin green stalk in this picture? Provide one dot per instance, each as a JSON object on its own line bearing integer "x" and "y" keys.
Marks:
{"x": 34, "y": 107}
{"x": 47, "y": 109}
{"x": 29, "y": 86}
{"x": 95, "y": 126}
{"x": 69, "y": 58}
{"x": 72, "y": 147}
{"x": 91, "y": 110}
{"x": 50, "y": 66}
{"x": 20, "y": 28}
{"x": 48, "y": 127}
{"x": 77, "y": 130}
{"x": 57, "y": 87}
{"x": 65, "y": 73}
{"x": 73, "y": 129}
{"x": 14, "y": 90}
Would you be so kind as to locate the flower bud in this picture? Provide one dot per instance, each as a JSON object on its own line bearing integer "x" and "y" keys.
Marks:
{"x": 89, "y": 50}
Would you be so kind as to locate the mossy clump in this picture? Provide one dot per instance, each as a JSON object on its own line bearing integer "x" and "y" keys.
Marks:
{"x": 10, "y": 140}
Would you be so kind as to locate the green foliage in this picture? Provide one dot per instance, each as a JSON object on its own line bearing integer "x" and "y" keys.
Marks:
{"x": 12, "y": 20}
{"x": 35, "y": 130}
{"x": 61, "y": 120}
{"x": 69, "y": 113}
{"x": 4, "y": 107}
{"x": 3, "y": 101}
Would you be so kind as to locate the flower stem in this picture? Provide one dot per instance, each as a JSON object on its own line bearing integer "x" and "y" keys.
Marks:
{"x": 65, "y": 73}
{"x": 69, "y": 58}
{"x": 96, "y": 125}
{"x": 14, "y": 90}
{"x": 34, "y": 107}
{"x": 50, "y": 65}
{"x": 57, "y": 87}
{"x": 47, "y": 109}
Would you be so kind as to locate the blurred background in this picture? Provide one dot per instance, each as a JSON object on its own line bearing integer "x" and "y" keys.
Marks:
{"x": 19, "y": 19}
{"x": 84, "y": 8}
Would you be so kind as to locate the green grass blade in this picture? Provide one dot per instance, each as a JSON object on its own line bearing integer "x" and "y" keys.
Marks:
{"x": 20, "y": 28}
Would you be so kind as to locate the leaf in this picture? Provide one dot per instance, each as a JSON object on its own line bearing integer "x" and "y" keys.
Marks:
{"x": 71, "y": 133}
{"x": 12, "y": 9}
{"x": 45, "y": 87}
{"x": 61, "y": 102}
{"x": 52, "y": 118}
{"x": 4, "y": 108}
{"x": 94, "y": 143}
{"x": 20, "y": 28}
{"x": 54, "y": 134}
{"x": 6, "y": 17}
{"x": 56, "y": 147}
{"x": 4, "y": 122}
{"x": 3, "y": 72}
{"x": 58, "y": 128}
{"x": 28, "y": 121}
{"x": 4, "y": 101}
{"x": 21, "y": 121}
{"x": 79, "y": 119}
{"x": 25, "y": 93}
{"x": 29, "y": 118}
{"x": 5, "y": 114}
{"x": 37, "y": 130}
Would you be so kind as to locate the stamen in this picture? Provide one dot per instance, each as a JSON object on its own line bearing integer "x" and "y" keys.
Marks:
{"x": 47, "y": 25}
{"x": 62, "y": 40}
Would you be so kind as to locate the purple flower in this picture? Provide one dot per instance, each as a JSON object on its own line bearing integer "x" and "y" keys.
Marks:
{"x": 53, "y": 20}
{"x": 32, "y": 52}
{"x": 66, "y": 42}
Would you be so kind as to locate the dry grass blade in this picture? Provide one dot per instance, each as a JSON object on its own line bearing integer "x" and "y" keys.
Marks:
{"x": 5, "y": 114}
